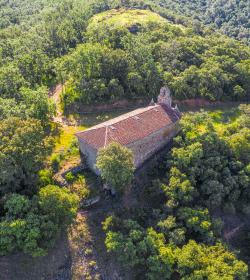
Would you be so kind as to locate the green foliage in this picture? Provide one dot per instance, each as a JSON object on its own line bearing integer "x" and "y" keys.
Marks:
{"x": 197, "y": 261}
{"x": 55, "y": 162}
{"x": 207, "y": 167}
{"x": 33, "y": 225}
{"x": 178, "y": 189}
{"x": 230, "y": 17}
{"x": 80, "y": 187}
{"x": 141, "y": 51}
{"x": 197, "y": 221}
{"x": 135, "y": 247}
{"x": 69, "y": 177}
{"x": 151, "y": 256}
{"x": 58, "y": 204}
{"x": 116, "y": 165}
{"x": 104, "y": 51}
{"x": 17, "y": 205}
{"x": 23, "y": 147}
{"x": 45, "y": 177}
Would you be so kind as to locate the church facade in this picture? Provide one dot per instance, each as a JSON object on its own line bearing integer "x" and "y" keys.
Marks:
{"x": 145, "y": 131}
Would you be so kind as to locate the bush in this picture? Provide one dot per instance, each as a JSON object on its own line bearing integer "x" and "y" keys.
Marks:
{"x": 69, "y": 177}
{"x": 31, "y": 226}
{"x": 59, "y": 204}
{"x": 55, "y": 163}
{"x": 45, "y": 177}
{"x": 80, "y": 188}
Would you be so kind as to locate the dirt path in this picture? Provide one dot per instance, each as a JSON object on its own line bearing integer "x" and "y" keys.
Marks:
{"x": 54, "y": 95}
{"x": 90, "y": 259}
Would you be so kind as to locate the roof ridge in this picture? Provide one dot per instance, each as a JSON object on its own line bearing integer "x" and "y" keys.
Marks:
{"x": 131, "y": 127}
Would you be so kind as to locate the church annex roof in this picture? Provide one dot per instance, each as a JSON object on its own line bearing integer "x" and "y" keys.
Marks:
{"x": 130, "y": 127}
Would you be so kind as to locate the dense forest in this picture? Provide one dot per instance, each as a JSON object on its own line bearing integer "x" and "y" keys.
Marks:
{"x": 106, "y": 51}
{"x": 230, "y": 17}
{"x": 142, "y": 53}
{"x": 136, "y": 51}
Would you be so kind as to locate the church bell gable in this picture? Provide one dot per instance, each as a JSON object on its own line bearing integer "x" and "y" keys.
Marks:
{"x": 165, "y": 97}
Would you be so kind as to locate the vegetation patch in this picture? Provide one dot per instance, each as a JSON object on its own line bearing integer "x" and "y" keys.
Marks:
{"x": 125, "y": 18}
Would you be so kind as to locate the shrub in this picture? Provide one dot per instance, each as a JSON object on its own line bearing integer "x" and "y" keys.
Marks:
{"x": 45, "y": 177}
{"x": 55, "y": 163}
{"x": 69, "y": 177}
{"x": 80, "y": 188}
{"x": 31, "y": 226}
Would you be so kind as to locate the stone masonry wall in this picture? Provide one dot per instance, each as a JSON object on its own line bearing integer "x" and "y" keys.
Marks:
{"x": 90, "y": 155}
{"x": 147, "y": 147}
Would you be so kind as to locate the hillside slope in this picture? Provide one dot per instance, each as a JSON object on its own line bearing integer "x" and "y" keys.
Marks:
{"x": 230, "y": 17}
{"x": 131, "y": 53}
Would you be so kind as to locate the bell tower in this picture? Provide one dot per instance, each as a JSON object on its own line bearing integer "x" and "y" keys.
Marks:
{"x": 165, "y": 97}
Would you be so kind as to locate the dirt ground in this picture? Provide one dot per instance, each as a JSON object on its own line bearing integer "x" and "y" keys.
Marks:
{"x": 51, "y": 267}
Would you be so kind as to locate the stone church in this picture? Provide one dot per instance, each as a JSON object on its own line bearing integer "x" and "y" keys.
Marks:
{"x": 145, "y": 131}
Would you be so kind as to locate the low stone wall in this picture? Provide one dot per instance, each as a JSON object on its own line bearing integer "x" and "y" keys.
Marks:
{"x": 201, "y": 102}
{"x": 108, "y": 107}
{"x": 136, "y": 103}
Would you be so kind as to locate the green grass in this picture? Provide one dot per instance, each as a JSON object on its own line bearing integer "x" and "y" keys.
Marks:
{"x": 91, "y": 119}
{"x": 126, "y": 18}
{"x": 66, "y": 148}
{"x": 65, "y": 137}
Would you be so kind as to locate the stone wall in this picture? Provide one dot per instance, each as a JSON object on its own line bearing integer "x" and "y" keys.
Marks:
{"x": 147, "y": 147}
{"x": 90, "y": 155}
{"x": 107, "y": 107}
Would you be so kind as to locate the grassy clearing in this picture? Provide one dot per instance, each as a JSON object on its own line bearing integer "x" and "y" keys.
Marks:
{"x": 220, "y": 115}
{"x": 91, "y": 119}
{"x": 126, "y": 18}
{"x": 66, "y": 136}
{"x": 66, "y": 152}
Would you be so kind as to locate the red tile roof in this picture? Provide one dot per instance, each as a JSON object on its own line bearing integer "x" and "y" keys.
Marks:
{"x": 130, "y": 127}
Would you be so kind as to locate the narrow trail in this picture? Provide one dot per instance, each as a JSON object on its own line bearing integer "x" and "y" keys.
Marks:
{"x": 54, "y": 95}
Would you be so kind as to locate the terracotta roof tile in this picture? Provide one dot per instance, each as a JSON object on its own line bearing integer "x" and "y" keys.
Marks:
{"x": 130, "y": 127}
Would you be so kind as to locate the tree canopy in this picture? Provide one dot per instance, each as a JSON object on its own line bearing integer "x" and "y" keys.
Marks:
{"x": 137, "y": 46}
{"x": 116, "y": 165}
{"x": 23, "y": 148}
{"x": 32, "y": 226}
{"x": 230, "y": 17}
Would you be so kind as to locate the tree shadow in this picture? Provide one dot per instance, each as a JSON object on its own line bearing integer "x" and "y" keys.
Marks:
{"x": 55, "y": 265}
